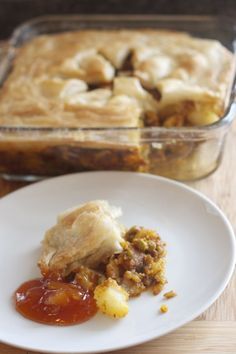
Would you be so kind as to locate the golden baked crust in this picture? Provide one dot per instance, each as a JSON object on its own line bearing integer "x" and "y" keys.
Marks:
{"x": 84, "y": 235}
{"x": 115, "y": 78}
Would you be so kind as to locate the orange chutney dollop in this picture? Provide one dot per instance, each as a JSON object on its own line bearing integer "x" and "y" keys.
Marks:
{"x": 54, "y": 301}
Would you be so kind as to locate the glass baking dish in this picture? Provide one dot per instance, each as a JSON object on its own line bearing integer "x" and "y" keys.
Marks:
{"x": 184, "y": 153}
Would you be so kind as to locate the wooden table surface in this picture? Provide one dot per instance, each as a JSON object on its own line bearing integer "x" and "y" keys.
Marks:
{"x": 214, "y": 332}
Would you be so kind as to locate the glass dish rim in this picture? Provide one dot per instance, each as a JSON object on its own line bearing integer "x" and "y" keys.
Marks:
{"x": 225, "y": 120}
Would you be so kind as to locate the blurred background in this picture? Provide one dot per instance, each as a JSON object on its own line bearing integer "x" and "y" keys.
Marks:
{"x": 14, "y": 12}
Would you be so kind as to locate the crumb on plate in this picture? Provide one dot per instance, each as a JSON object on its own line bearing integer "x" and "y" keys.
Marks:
{"x": 170, "y": 294}
{"x": 164, "y": 308}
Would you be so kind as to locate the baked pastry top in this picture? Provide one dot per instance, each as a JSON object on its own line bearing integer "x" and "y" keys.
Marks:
{"x": 117, "y": 78}
{"x": 83, "y": 235}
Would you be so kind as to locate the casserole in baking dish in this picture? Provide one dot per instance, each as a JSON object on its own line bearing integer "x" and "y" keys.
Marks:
{"x": 127, "y": 97}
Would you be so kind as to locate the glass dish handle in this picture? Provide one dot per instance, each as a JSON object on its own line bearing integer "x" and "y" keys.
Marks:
{"x": 4, "y": 46}
{"x": 6, "y": 53}
{"x": 234, "y": 94}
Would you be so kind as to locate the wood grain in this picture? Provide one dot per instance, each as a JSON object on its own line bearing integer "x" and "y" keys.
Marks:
{"x": 214, "y": 332}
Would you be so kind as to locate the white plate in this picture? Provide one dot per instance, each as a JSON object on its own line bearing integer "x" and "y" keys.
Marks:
{"x": 200, "y": 262}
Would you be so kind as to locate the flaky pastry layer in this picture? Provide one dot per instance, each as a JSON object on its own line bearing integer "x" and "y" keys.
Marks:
{"x": 115, "y": 78}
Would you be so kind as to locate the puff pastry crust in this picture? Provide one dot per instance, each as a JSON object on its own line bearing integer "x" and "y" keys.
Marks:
{"x": 85, "y": 235}
{"x": 101, "y": 78}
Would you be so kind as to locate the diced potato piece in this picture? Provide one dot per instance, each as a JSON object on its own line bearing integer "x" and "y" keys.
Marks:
{"x": 203, "y": 117}
{"x": 111, "y": 299}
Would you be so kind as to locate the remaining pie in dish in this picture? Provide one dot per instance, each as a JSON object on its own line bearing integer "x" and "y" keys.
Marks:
{"x": 121, "y": 80}
{"x": 117, "y": 78}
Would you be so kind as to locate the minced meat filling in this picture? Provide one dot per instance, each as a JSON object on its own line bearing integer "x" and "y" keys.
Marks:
{"x": 141, "y": 264}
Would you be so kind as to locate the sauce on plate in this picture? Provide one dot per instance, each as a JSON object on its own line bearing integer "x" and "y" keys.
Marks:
{"x": 52, "y": 301}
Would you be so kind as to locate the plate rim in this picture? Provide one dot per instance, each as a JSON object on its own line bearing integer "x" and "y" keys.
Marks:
{"x": 143, "y": 338}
